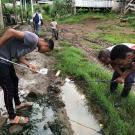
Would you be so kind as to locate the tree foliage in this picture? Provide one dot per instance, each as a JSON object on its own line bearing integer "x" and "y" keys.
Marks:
{"x": 61, "y": 7}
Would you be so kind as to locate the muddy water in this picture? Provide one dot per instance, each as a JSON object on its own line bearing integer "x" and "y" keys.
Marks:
{"x": 39, "y": 116}
{"x": 77, "y": 111}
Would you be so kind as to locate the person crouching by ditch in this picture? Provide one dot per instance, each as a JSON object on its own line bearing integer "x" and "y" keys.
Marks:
{"x": 124, "y": 56}
{"x": 120, "y": 72}
{"x": 14, "y": 45}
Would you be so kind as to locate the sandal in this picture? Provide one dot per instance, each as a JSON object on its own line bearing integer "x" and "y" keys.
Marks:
{"x": 18, "y": 120}
{"x": 23, "y": 105}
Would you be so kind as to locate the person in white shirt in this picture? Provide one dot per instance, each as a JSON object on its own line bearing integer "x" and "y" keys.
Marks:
{"x": 54, "y": 29}
{"x": 38, "y": 21}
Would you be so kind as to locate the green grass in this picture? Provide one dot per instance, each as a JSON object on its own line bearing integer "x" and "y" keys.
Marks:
{"x": 47, "y": 17}
{"x": 113, "y": 37}
{"x": 117, "y": 122}
{"x": 78, "y": 18}
{"x": 109, "y": 27}
{"x": 113, "y": 34}
{"x": 96, "y": 47}
{"x": 119, "y": 37}
{"x": 130, "y": 17}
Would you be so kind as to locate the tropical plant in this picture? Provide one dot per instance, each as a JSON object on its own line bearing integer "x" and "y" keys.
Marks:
{"x": 61, "y": 7}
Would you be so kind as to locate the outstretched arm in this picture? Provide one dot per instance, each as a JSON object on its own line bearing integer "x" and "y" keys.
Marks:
{"x": 9, "y": 33}
{"x": 32, "y": 67}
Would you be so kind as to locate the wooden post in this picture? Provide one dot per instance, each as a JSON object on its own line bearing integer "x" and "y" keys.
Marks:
{"x": 14, "y": 6}
{"x": 21, "y": 6}
{"x": 1, "y": 17}
{"x": 73, "y": 7}
{"x": 32, "y": 10}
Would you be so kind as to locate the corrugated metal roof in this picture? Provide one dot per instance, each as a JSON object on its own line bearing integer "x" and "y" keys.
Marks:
{"x": 93, "y": 3}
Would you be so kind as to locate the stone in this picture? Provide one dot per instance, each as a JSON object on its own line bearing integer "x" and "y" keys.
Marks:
{"x": 45, "y": 126}
{"x": 2, "y": 121}
{"x": 15, "y": 129}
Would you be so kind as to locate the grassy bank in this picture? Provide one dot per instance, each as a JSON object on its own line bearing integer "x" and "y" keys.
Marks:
{"x": 113, "y": 37}
{"x": 80, "y": 17}
{"x": 117, "y": 122}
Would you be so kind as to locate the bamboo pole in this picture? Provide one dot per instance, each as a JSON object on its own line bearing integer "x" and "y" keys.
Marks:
{"x": 1, "y": 17}
{"x": 32, "y": 9}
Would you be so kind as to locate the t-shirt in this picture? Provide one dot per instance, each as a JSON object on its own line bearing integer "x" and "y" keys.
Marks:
{"x": 54, "y": 25}
{"x": 15, "y": 48}
{"x": 132, "y": 46}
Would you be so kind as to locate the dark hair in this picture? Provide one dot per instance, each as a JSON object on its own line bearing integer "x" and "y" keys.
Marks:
{"x": 103, "y": 53}
{"x": 53, "y": 19}
{"x": 119, "y": 52}
{"x": 50, "y": 43}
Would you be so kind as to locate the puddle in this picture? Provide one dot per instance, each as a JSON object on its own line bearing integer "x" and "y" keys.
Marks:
{"x": 39, "y": 115}
{"x": 77, "y": 111}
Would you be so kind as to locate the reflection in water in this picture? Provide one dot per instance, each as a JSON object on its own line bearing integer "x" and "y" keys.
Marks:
{"x": 78, "y": 111}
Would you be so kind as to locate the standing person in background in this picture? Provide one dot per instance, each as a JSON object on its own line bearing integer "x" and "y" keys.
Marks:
{"x": 54, "y": 29}
{"x": 38, "y": 21}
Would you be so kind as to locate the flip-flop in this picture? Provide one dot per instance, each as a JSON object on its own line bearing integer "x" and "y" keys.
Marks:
{"x": 24, "y": 105}
{"x": 18, "y": 120}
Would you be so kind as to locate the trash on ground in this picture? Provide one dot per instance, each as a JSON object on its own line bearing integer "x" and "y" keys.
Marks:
{"x": 58, "y": 73}
{"x": 43, "y": 71}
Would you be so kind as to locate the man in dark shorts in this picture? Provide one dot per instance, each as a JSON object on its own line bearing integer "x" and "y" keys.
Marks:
{"x": 14, "y": 45}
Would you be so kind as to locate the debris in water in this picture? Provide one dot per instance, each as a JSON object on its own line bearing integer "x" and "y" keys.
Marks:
{"x": 55, "y": 126}
{"x": 53, "y": 88}
{"x": 101, "y": 125}
{"x": 67, "y": 80}
{"x": 58, "y": 73}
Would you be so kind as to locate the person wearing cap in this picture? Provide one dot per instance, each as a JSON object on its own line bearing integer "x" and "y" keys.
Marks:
{"x": 14, "y": 45}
